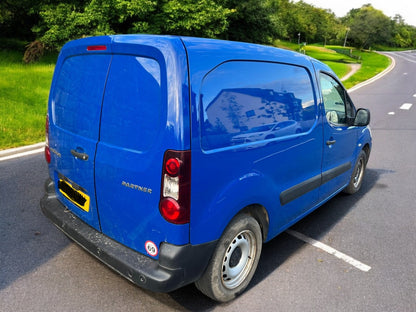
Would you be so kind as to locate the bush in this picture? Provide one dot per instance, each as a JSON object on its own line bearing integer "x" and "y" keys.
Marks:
{"x": 34, "y": 51}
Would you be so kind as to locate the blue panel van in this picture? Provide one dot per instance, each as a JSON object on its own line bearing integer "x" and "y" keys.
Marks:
{"x": 173, "y": 159}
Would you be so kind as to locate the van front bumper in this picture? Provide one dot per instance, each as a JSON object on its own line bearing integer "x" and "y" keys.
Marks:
{"x": 177, "y": 266}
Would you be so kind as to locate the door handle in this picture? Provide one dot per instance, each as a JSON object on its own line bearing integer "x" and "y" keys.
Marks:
{"x": 79, "y": 155}
{"x": 330, "y": 142}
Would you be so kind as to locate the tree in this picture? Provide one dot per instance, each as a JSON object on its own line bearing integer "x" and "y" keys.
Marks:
{"x": 54, "y": 22}
{"x": 250, "y": 21}
{"x": 328, "y": 26}
{"x": 17, "y": 18}
{"x": 402, "y": 34}
{"x": 368, "y": 26}
{"x": 67, "y": 21}
{"x": 204, "y": 18}
{"x": 289, "y": 15}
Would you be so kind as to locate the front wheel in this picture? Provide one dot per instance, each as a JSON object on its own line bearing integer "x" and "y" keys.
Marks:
{"x": 357, "y": 174}
{"x": 234, "y": 261}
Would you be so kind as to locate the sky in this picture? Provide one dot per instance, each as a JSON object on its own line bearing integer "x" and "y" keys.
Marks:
{"x": 406, "y": 8}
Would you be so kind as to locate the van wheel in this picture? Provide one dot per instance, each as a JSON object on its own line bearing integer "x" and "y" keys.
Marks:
{"x": 357, "y": 174}
{"x": 234, "y": 261}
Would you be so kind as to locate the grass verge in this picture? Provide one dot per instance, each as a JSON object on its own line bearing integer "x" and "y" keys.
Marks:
{"x": 24, "y": 91}
{"x": 372, "y": 63}
{"x": 339, "y": 58}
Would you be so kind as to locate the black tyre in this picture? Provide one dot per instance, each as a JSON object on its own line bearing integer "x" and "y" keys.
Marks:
{"x": 234, "y": 261}
{"x": 357, "y": 174}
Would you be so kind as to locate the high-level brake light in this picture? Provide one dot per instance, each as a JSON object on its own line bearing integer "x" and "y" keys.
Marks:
{"x": 97, "y": 48}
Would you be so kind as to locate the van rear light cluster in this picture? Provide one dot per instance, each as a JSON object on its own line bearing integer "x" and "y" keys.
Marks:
{"x": 47, "y": 150}
{"x": 175, "y": 193}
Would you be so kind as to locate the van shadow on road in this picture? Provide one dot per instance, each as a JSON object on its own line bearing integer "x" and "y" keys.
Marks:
{"x": 281, "y": 248}
{"x": 27, "y": 238}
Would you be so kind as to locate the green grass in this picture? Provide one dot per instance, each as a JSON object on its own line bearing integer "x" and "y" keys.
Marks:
{"x": 24, "y": 91}
{"x": 339, "y": 63}
{"x": 326, "y": 54}
{"x": 341, "y": 69}
{"x": 372, "y": 63}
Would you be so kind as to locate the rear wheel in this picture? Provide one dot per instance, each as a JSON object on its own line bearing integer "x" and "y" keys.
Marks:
{"x": 357, "y": 174}
{"x": 234, "y": 261}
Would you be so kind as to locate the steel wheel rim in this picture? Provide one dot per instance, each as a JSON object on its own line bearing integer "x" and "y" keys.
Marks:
{"x": 359, "y": 173}
{"x": 239, "y": 259}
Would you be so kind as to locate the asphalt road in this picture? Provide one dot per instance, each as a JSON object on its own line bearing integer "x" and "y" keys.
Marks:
{"x": 41, "y": 270}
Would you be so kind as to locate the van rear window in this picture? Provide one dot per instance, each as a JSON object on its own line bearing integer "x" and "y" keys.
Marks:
{"x": 246, "y": 101}
{"x": 132, "y": 103}
{"x": 78, "y": 94}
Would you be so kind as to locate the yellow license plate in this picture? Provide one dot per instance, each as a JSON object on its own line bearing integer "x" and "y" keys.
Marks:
{"x": 76, "y": 196}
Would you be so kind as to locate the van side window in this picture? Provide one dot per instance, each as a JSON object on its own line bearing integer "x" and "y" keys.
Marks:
{"x": 338, "y": 106}
{"x": 247, "y": 101}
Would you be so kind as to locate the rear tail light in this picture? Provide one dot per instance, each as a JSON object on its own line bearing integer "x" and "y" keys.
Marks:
{"x": 175, "y": 200}
{"x": 47, "y": 150}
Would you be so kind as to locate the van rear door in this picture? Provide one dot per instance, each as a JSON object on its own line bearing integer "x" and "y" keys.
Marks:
{"x": 74, "y": 113}
{"x": 145, "y": 106}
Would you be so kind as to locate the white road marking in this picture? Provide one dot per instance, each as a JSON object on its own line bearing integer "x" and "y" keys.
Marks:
{"x": 406, "y": 106}
{"x": 357, "y": 264}
{"x": 391, "y": 113}
{"x": 40, "y": 150}
{"x": 21, "y": 151}
{"x": 414, "y": 95}
{"x": 404, "y": 57}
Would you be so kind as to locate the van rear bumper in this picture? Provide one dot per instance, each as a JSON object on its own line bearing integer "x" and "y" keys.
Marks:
{"x": 177, "y": 266}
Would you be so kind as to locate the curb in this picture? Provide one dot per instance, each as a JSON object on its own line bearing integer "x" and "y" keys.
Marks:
{"x": 21, "y": 151}
{"x": 376, "y": 77}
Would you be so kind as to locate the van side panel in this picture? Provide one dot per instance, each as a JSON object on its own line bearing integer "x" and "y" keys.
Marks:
{"x": 260, "y": 183}
{"x": 235, "y": 161}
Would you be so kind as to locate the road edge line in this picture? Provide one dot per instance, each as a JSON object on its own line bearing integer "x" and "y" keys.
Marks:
{"x": 376, "y": 77}
{"x": 22, "y": 151}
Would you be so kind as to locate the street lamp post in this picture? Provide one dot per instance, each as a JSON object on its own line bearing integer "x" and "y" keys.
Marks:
{"x": 346, "y": 35}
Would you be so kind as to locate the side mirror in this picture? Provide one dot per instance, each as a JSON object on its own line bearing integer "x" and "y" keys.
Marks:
{"x": 362, "y": 117}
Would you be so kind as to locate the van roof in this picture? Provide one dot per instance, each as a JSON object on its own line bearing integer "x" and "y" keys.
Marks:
{"x": 208, "y": 50}
{"x": 220, "y": 50}
{"x": 203, "y": 54}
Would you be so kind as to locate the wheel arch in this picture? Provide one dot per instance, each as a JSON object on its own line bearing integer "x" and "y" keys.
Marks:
{"x": 252, "y": 193}
{"x": 367, "y": 150}
{"x": 259, "y": 213}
